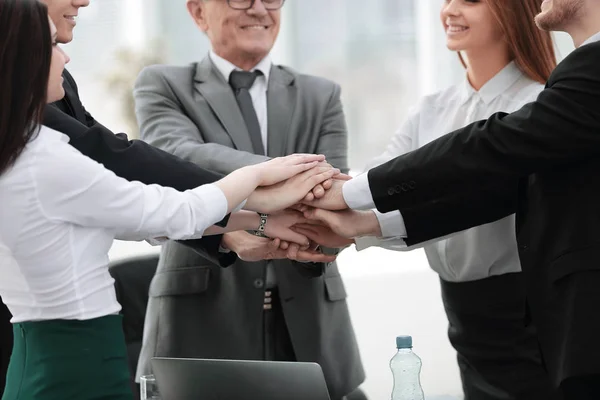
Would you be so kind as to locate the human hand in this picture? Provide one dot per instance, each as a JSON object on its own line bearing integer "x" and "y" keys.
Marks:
{"x": 346, "y": 223}
{"x": 279, "y": 226}
{"x": 252, "y": 248}
{"x": 277, "y": 197}
{"x": 333, "y": 198}
{"x": 319, "y": 190}
{"x": 323, "y": 235}
{"x": 281, "y": 168}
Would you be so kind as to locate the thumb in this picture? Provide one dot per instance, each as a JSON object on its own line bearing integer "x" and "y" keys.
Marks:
{"x": 318, "y": 214}
{"x": 309, "y": 233}
{"x": 273, "y": 245}
{"x": 295, "y": 237}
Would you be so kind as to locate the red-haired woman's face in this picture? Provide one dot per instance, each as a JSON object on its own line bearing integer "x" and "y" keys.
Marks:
{"x": 469, "y": 25}
{"x": 57, "y": 66}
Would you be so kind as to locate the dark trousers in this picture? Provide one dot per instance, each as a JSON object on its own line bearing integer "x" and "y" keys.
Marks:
{"x": 277, "y": 342}
{"x": 6, "y": 343}
{"x": 497, "y": 347}
{"x": 581, "y": 388}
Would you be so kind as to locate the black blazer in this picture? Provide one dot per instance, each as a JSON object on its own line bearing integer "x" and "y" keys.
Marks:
{"x": 542, "y": 162}
{"x": 133, "y": 160}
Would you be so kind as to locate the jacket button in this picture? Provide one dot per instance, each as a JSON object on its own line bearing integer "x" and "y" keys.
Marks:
{"x": 391, "y": 191}
{"x": 259, "y": 283}
{"x": 412, "y": 185}
{"x": 398, "y": 189}
{"x": 524, "y": 247}
{"x": 405, "y": 187}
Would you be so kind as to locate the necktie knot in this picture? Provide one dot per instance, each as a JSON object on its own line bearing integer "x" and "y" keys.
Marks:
{"x": 243, "y": 79}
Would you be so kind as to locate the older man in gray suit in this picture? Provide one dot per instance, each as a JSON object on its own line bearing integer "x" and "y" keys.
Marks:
{"x": 236, "y": 108}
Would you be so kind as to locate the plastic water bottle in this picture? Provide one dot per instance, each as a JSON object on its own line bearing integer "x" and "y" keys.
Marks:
{"x": 406, "y": 367}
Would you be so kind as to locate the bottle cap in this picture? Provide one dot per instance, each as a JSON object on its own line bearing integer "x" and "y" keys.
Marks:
{"x": 404, "y": 342}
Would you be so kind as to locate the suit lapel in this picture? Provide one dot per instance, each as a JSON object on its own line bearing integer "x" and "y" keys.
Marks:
{"x": 71, "y": 103}
{"x": 281, "y": 103}
{"x": 212, "y": 86}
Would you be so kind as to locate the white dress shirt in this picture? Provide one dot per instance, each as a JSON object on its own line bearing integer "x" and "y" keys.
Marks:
{"x": 357, "y": 193}
{"x": 479, "y": 252}
{"x": 60, "y": 213}
{"x": 258, "y": 93}
{"x": 592, "y": 39}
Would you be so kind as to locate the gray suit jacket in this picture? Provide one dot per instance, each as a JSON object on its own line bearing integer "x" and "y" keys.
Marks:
{"x": 197, "y": 309}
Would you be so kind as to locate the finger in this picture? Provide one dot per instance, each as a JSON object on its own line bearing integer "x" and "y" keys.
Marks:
{"x": 297, "y": 207}
{"x": 312, "y": 235}
{"x": 292, "y": 252}
{"x": 286, "y": 172}
{"x": 284, "y": 245}
{"x": 315, "y": 222}
{"x": 306, "y": 225}
{"x": 318, "y": 192}
{"x": 300, "y": 158}
{"x": 319, "y": 178}
{"x": 319, "y": 215}
{"x": 311, "y": 214}
{"x": 306, "y": 231}
{"x": 274, "y": 244}
{"x": 327, "y": 184}
{"x": 296, "y": 169}
{"x": 296, "y": 238}
{"x": 309, "y": 197}
{"x": 314, "y": 171}
{"x": 342, "y": 177}
{"x": 300, "y": 207}
{"x": 313, "y": 256}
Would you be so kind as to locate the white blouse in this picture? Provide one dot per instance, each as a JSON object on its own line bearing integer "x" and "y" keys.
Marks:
{"x": 478, "y": 252}
{"x": 59, "y": 213}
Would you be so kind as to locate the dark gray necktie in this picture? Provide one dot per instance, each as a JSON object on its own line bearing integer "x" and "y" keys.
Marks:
{"x": 241, "y": 82}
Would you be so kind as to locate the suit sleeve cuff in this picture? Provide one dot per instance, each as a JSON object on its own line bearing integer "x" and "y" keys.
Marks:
{"x": 357, "y": 193}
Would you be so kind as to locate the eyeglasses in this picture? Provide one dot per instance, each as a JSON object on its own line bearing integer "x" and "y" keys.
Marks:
{"x": 248, "y": 4}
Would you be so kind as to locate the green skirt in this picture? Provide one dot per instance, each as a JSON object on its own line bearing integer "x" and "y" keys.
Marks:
{"x": 69, "y": 360}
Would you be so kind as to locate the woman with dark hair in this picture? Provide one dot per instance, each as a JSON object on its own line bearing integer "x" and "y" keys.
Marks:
{"x": 68, "y": 339}
{"x": 507, "y": 61}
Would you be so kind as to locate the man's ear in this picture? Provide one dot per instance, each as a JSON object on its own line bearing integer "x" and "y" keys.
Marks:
{"x": 196, "y": 8}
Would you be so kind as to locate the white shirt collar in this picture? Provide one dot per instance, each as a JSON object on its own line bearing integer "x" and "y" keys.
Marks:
{"x": 226, "y": 68}
{"x": 592, "y": 39}
{"x": 495, "y": 86}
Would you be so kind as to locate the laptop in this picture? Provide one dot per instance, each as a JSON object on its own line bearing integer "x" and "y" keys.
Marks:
{"x": 202, "y": 379}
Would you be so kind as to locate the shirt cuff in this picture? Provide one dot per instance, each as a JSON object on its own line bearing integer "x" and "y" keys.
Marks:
{"x": 159, "y": 241}
{"x": 357, "y": 193}
{"x": 391, "y": 224}
{"x": 395, "y": 244}
{"x": 214, "y": 199}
